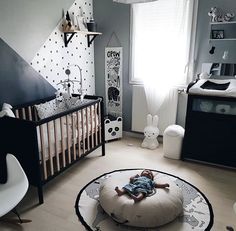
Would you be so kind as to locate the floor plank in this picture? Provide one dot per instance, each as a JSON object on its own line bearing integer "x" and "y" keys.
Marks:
{"x": 57, "y": 213}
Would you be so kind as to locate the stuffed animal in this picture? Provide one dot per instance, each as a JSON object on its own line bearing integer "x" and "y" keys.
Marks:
{"x": 6, "y": 110}
{"x": 228, "y": 16}
{"x": 68, "y": 22}
{"x": 217, "y": 15}
{"x": 65, "y": 100}
{"x": 151, "y": 133}
{"x": 204, "y": 75}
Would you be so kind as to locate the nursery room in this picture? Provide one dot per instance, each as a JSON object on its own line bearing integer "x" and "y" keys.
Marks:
{"x": 117, "y": 115}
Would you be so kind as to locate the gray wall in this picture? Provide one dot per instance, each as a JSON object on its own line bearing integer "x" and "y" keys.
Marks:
{"x": 203, "y": 32}
{"x": 25, "y": 24}
{"x": 113, "y": 17}
{"x": 19, "y": 82}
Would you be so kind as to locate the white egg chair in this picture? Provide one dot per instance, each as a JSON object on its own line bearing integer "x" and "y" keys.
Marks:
{"x": 15, "y": 188}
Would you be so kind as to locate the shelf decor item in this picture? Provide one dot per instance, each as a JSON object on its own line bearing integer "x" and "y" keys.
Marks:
{"x": 91, "y": 25}
{"x": 68, "y": 22}
{"x": 81, "y": 23}
{"x": 217, "y": 34}
{"x": 217, "y": 15}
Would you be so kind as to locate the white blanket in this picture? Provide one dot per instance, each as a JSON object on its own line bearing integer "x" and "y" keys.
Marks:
{"x": 58, "y": 135}
{"x": 229, "y": 92}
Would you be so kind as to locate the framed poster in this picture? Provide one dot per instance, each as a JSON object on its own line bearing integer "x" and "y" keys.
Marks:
{"x": 113, "y": 80}
{"x": 217, "y": 34}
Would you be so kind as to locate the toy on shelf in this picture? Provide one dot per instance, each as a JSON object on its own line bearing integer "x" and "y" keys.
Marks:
{"x": 217, "y": 15}
{"x": 68, "y": 22}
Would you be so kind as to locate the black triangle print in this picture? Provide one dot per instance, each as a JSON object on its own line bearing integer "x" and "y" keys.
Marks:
{"x": 19, "y": 82}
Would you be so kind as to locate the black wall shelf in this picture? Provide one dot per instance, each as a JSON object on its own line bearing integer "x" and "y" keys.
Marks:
{"x": 68, "y": 35}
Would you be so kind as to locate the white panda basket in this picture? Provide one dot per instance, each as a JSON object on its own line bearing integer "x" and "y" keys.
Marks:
{"x": 113, "y": 128}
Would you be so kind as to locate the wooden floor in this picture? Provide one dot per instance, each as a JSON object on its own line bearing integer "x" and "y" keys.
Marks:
{"x": 57, "y": 213}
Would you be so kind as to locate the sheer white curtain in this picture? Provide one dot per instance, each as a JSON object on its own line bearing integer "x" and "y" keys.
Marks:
{"x": 160, "y": 47}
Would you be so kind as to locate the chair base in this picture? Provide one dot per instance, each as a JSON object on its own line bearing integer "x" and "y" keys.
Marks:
{"x": 15, "y": 221}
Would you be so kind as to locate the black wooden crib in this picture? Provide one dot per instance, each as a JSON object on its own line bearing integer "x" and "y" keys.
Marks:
{"x": 46, "y": 147}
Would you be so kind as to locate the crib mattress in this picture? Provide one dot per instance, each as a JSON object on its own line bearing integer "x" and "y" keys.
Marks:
{"x": 55, "y": 135}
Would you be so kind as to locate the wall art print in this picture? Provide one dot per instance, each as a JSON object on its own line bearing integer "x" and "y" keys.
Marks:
{"x": 113, "y": 80}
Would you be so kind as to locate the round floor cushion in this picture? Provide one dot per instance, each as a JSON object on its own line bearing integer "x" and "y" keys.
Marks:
{"x": 158, "y": 209}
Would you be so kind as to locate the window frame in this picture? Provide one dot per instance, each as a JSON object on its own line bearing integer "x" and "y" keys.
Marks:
{"x": 192, "y": 44}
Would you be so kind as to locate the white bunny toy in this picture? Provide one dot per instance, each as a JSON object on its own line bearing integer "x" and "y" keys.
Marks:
{"x": 151, "y": 133}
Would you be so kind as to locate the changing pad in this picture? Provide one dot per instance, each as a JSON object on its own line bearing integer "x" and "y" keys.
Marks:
{"x": 229, "y": 92}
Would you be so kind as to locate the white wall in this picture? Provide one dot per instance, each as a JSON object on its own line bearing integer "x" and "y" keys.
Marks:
{"x": 53, "y": 58}
{"x": 25, "y": 24}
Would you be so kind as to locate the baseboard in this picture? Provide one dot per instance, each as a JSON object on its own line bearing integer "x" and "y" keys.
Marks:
{"x": 133, "y": 134}
{"x": 139, "y": 135}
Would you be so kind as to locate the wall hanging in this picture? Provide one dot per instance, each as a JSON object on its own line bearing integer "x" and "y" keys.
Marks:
{"x": 113, "y": 87}
{"x": 113, "y": 73}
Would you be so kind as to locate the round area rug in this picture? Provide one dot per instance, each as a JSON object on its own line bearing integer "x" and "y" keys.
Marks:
{"x": 197, "y": 211}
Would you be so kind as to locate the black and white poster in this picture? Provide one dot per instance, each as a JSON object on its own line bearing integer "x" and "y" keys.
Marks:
{"x": 113, "y": 80}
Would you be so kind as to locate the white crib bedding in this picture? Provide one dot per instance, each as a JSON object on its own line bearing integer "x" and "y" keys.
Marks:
{"x": 229, "y": 92}
{"x": 72, "y": 137}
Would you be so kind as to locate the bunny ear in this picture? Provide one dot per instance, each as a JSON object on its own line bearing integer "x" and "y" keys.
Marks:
{"x": 155, "y": 120}
{"x": 6, "y": 105}
{"x": 149, "y": 119}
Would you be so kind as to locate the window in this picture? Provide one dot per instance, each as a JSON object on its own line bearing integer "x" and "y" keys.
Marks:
{"x": 160, "y": 44}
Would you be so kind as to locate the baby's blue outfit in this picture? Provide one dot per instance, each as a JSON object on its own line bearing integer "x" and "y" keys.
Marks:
{"x": 141, "y": 184}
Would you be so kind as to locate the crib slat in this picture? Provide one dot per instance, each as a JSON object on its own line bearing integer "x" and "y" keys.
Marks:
{"x": 87, "y": 125}
{"x": 96, "y": 124}
{"x": 23, "y": 113}
{"x": 83, "y": 128}
{"x": 92, "y": 123}
{"x": 62, "y": 143}
{"x": 45, "y": 176}
{"x": 99, "y": 122}
{"x": 50, "y": 150}
{"x": 56, "y": 144}
{"x": 68, "y": 139}
{"x": 17, "y": 113}
{"x": 78, "y": 131}
{"x": 73, "y": 135}
{"x": 30, "y": 113}
{"x": 35, "y": 114}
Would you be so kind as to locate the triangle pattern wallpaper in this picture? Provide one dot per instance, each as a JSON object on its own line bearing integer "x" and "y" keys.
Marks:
{"x": 53, "y": 58}
{"x": 46, "y": 73}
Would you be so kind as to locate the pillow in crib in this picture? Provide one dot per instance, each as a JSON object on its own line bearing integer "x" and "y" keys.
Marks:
{"x": 50, "y": 108}
{"x": 70, "y": 101}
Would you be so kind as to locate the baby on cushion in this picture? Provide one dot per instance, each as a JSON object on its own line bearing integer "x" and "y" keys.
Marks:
{"x": 140, "y": 186}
